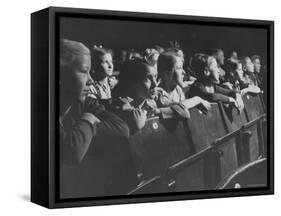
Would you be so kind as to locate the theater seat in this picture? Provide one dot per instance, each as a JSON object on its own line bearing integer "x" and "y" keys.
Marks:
{"x": 214, "y": 126}
{"x": 153, "y": 185}
{"x": 235, "y": 120}
{"x": 251, "y": 175}
{"x": 212, "y": 162}
{"x": 204, "y": 129}
{"x": 188, "y": 176}
{"x": 159, "y": 144}
{"x": 253, "y": 106}
{"x": 254, "y": 109}
{"x": 208, "y": 169}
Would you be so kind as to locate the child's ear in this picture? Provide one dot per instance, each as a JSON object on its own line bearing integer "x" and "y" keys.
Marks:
{"x": 206, "y": 72}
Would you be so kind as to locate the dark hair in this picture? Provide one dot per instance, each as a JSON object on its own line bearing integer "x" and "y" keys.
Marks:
{"x": 133, "y": 71}
{"x": 231, "y": 65}
{"x": 166, "y": 62}
{"x": 254, "y": 57}
{"x": 243, "y": 60}
{"x": 198, "y": 63}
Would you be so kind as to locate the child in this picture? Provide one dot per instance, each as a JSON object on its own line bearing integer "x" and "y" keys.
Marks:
{"x": 102, "y": 69}
{"x": 188, "y": 78}
{"x": 94, "y": 147}
{"x": 257, "y": 70}
{"x": 248, "y": 69}
{"x": 138, "y": 96}
{"x": 75, "y": 64}
{"x": 208, "y": 80}
{"x": 171, "y": 74}
{"x": 218, "y": 54}
{"x": 234, "y": 75}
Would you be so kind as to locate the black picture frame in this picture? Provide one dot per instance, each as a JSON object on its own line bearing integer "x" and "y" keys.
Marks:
{"x": 44, "y": 101}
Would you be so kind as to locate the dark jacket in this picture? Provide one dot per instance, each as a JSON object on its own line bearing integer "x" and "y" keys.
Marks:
{"x": 95, "y": 159}
{"x": 218, "y": 94}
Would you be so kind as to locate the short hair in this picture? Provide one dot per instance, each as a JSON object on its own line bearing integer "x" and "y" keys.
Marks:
{"x": 69, "y": 50}
{"x": 243, "y": 60}
{"x": 98, "y": 52}
{"x": 231, "y": 65}
{"x": 174, "y": 51}
{"x": 216, "y": 51}
{"x": 166, "y": 62}
{"x": 199, "y": 62}
{"x": 255, "y": 57}
{"x": 133, "y": 71}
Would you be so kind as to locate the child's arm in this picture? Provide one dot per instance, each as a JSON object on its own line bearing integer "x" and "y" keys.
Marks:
{"x": 199, "y": 90}
{"x": 135, "y": 118}
{"x": 75, "y": 141}
{"x": 167, "y": 109}
{"x": 174, "y": 110}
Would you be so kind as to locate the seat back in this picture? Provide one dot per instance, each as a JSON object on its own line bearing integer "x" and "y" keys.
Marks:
{"x": 254, "y": 109}
{"x": 204, "y": 129}
{"x": 208, "y": 169}
{"x": 159, "y": 144}
{"x": 253, "y": 106}
{"x": 253, "y": 174}
{"x": 214, "y": 161}
{"x": 234, "y": 118}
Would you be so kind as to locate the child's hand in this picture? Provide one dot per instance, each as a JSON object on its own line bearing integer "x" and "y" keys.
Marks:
{"x": 143, "y": 114}
{"x": 240, "y": 102}
{"x": 206, "y": 104}
{"x": 126, "y": 106}
{"x": 254, "y": 89}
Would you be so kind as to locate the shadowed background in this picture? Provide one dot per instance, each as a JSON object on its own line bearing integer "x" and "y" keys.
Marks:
{"x": 122, "y": 34}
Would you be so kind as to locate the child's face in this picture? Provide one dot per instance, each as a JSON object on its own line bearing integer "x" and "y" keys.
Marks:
{"x": 239, "y": 69}
{"x": 214, "y": 70}
{"x": 105, "y": 65}
{"x": 146, "y": 88}
{"x": 179, "y": 72}
{"x": 249, "y": 66}
{"x": 234, "y": 55}
{"x": 176, "y": 76}
{"x": 79, "y": 79}
{"x": 257, "y": 65}
{"x": 181, "y": 55}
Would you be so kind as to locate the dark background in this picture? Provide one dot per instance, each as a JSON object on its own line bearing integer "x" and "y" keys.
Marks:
{"x": 121, "y": 34}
